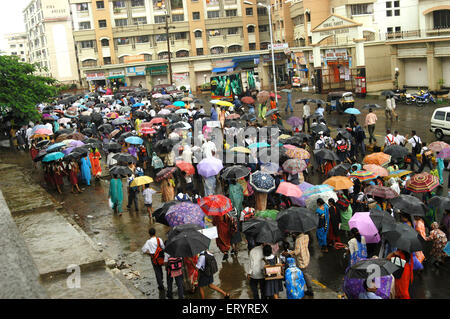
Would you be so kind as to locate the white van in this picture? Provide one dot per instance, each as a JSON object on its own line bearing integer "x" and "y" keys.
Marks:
{"x": 440, "y": 122}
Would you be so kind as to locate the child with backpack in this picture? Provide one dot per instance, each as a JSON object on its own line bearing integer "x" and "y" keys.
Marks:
{"x": 207, "y": 267}
{"x": 174, "y": 268}
{"x": 155, "y": 248}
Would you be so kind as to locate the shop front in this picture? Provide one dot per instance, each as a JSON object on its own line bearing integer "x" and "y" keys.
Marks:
{"x": 116, "y": 79}
{"x": 96, "y": 80}
{"x": 136, "y": 76}
{"x": 158, "y": 74}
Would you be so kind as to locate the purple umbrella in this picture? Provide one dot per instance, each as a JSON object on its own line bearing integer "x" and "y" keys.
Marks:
{"x": 68, "y": 150}
{"x": 445, "y": 153}
{"x": 366, "y": 227}
{"x": 301, "y": 201}
{"x": 294, "y": 121}
{"x": 185, "y": 213}
{"x": 209, "y": 166}
{"x": 354, "y": 286}
{"x": 76, "y": 143}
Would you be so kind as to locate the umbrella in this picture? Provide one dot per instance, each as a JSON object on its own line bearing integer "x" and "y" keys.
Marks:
{"x": 339, "y": 170}
{"x": 164, "y": 112}
{"x": 157, "y": 95}
{"x": 188, "y": 243}
{"x": 326, "y": 154}
{"x": 88, "y": 131}
{"x": 294, "y": 166}
{"x": 40, "y": 156}
{"x": 271, "y": 111}
{"x": 247, "y": 100}
{"x": 387, "y": 93}
{"x": 124, "y": 158}
{"x": 240, "y": 149}
{"x": 396, "y": 151}
{"x": 294, "y": 121}
{"x": 42, "y": 131}
{"x": 422, "y": 183}
{"x": 263, "y": 230}
{"x": 157, "y": 120}
{"x": 380, "y": 191}
{"x": 301, "y": 201}
{"x": 441, "y": 203}
{"x": 233, "y": 116}
{"x": 352, "y": 110}
{"x": 289, "y": 189}
{"x": 362, "y": 269}
{"x": 181, "y": 228}
{"x": 107, "y": 128}
{"x": 139, "y": 104}
{"x": 378, "y": 158}
{"x": 363, "y": 175}
{"x": 272, "y": 94}
{"x": 344, "y": 133}
{"x": 320, "y": 128}
{"x": 125, "y": 109}
{"x": 164, "y": 145}
{"x": 263, "y": 96}
{"x": 140, "y": 114}
{"x": 215, "y": 205}
{"x": 165, "y": 173}
{"x": 160, "y": 213}
{"x": 317, "y": 190}
{"x": 141, "y": 180}
{"x": 445, "y": 153}
{"x": 43, "y": 143}
{"x": 120, "y": 170}
{"x": 248, "y": 117}
{"x": 262, "y": 182}
{"x": 224, "y": 103}
{"x": 187, "y": 99}
{"x": 179, "y": 103}
{"x": 365, "y": 226}
{"x": 120, "y": 121}
{"x": 410, "y": 205}
{"x": 404, "y": 237}
{"x": 339, "y": 182}
{"x": 184, "y": 213}
{"x": 181, "y": 111}
{"x": 85, "y": 118}
{"x": 298, "y": 153}
{"x": 382, "y": 220}
{"x": 186, "y": 167}
{"x": 113, "y": 146}
{"x": 209, "y": 166}
{"x": 372, "y": 106}
{"x": 235, "y": 172}
{"x": 377, "y": 169}
{"x": 53, "y": 157}
{"x": 123, "y": 136}
{"x": 165, "y": 102}
{"x": 259, "y": 145}
{"x": 398, "y": 173}
{"x": 438, "y": 146}
{"x": 134, "y": 140}
{"x": 270, "y": 168}
{"x": 55, "y": 146}
{"x": 214, "y": 101}
{"x": 64, "y": 120}
{"x": 297, "y": 219}
{"x": 112, "y": 115}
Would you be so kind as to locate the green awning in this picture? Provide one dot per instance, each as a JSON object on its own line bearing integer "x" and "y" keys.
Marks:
{"x": 116, "y": 77}
{"x": 156, "y": 70}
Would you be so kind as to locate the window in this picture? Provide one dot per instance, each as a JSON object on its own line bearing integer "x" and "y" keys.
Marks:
{"x": 196, "y": 15}
{"x": 217, "y": 50}
{"x": 105, "y": 43}
{"x": 123, "y": 41}
{"x": 160, "y": 19}
{"x": 264, "y": 28}
{"x": 264, "y": 45}
{"x": 177, "y": 17}
{"x": 199, "y": 51}
{"x": 137, "y": 3}
{"x": 439, "y": 115}
{"x": 389, "y": 13}
{"x": 87, "y": 44}
{"x": 447, "y": 118}
{"x": 234, "y": 49}
{"x": 121, "y": 22}
{"x": 397, "y": 13}
{"x": 107, "y": 60}
{"x": 231, "y": 13}
{"x": 388, "y": 4}
{"x": 84, "y": 25}
{"x": 176, "y": 4}
{"x": 261, "y": 11}
{"x": 81, "y": 7}
{"x": 396, "y": 4}
{"x": 364, "y": 8}
{"x": 13, "y": 46}
{"x": 308, "y": 17}
{"x": 88, "y": 63}
{"x": 161, "y": 37}
{"x": 390, "y": 30}
{"x": 249, "y": 11}
{"x": 398, "y": 29}
{"x": 100, "y": 5}
{"x": 213, "y": 14}
{"x": 182, "y": 54}
{"x": 118, "y": 4}
{"x": 163, "y": 55}
{"x": 298, "y": 20}
{"x": 147, "y": 57}
{"x": 232, "y": 30}
{"x": 102, "y": 23}
{"x": 251, "y": 29}
{"x": 441, "y": 19}
{"x": 252, "y": 46}
{"x": 20, "y": 45}
{"x": 198, "y": 34}
{"x": 143, "y": 39}
{"x": 21, "y": 52}
{"x": 140, "y": 20}
{"x": 180, "y": 36}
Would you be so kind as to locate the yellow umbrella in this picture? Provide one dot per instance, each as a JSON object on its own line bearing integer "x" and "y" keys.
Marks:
{"x": 225, "y": 103}
{"x": 283, "y": 136}
{"x": 241, "y": 149}
{"x": 141, "y": 180}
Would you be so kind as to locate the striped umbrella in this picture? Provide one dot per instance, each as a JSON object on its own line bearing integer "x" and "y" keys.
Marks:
{"x": 378, "y": 158}
{"x": 399, "y": 173}
{"x": 318, "y": 189}
{"x": 444, "y": 154}
{"x": 422, "y": 183}
{"x": 380, "y": 191}
{"x": 363, "y": 175}
{"x": 298, "y": 153}
{"x": 215, "y": 205}
{"x": 438, "y": 146}
{"x": 294, "y": 166}
{"x": 377, "y": 169}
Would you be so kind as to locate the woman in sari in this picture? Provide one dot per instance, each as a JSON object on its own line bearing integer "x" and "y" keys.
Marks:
{"x": 223, "y": 224}
{"x": 191, "y": 272}
{"x": 74, "y": 169}
{"x": 335, "y": 220}
{"x": 167, "y": 189}
{"x": 440, "y": 168}
{"x": 95, "y": 158}
{"x": 324, "y": 220}
{"x": 236, "y": 195}
{"x": 439, "y": 242}
{"x": 357, "y": 247}
{"x": 86, "y": 170}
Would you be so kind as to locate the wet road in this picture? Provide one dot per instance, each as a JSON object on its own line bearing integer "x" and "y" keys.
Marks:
{"x": 123, "y": 237}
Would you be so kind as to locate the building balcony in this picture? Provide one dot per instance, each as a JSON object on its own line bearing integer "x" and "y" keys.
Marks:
{"x": 417, "y": 34}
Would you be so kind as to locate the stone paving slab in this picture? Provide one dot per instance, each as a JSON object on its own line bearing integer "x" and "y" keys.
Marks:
{"x": 55, "y": 244}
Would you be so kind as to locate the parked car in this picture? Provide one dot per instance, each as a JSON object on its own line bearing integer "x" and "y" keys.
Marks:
{"x": 170, "y": 89}
{"x": 339, "y": 101}
{"x": 440, "y": 122}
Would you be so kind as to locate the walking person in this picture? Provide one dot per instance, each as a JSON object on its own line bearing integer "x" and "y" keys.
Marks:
{"x": 360, "y": 136}
{"x": 174, "y": 269}
{"x": 393, "y": 107}
{"x": 324, "y": 220}
{"x": 254, "y": 272}
{"x": 295, "y": 281}
{"x": 223, "y": 241}
{"x": 388, "y": 109}
{"x": 306, "y": 116}
{"x": 289, "y": 102}
{"x": 86, "y": 170}
{"x": 416, "y": 144}
{"x": 439, "y": 239}
{"x": 73, "y": 176}
{"x": 132, "y": 194}
{"x": 155, "y": 248}
{"x": 272, "y": 287}
{"x": 116, "y": 194}
{"x": 207, "y": 267}
{"x": 302, "y": 258}
{"x": 148, "y": 200}
{"x": 357, "y": 247}
{"x": 370, "y": 122}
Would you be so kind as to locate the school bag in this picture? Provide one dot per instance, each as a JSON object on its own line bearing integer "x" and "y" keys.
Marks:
{"x": 418, "y": 147}
{"x": 175, "y": 265}
{"x": 342, "y": 203}
{"x": 158, "y": 256}
{"x": 210, "y": 265}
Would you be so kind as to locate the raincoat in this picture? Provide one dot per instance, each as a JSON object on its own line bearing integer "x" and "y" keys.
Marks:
{"x": 440, "y": 168}
{"x": 116, "y": 193}
{"x": 236, "y": 196}
{"x": 95, "y": 158}
{"x": 86, "y": 170}
{"x": 295, "y": 281}
{"x": 262, "y": 111}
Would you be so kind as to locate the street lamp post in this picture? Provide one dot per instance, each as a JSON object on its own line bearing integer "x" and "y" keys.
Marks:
{"x": 168, "y": 45}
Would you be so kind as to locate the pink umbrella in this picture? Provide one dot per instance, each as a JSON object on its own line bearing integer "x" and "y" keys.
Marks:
{"x": 289, "y": 146}
{"x": 377, "y": 169}
{"x": 289, "y": 189}
{"x": 43, "y": 131}
{"x": 445, "y": 153}
{"x": 366, "y": 227}
{"x": 438, "y": 146}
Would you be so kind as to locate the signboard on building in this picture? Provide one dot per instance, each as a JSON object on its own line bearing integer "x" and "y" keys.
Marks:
{"x": 135, "y": 71}
{"x": 336, "y": 26}
{"x": 55, "y": 10}
{"x": 336, "y": 54}
{"x": 300, "y": 58}
{"x": 279, "y": 46}
{"x": 180, "y": 77}
{"x": 133, "y": 58}
{"x": 116, "y": 74}
{"x": 277, "y": 56}
{"x": 95, "y": 76}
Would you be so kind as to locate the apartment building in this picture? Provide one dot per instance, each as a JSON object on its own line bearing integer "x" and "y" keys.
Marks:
{"x": 17, "y": 45}
{"x": 50, "y": 39}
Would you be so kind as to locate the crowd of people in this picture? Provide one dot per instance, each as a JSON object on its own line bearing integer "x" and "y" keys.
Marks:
{"x": 153, "y": 136}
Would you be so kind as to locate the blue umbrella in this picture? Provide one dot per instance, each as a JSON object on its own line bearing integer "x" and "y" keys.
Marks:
{"x": 53, "y": 157}
{"x": 262, "y": 182}
{"x": 179, "y": 103}
{"x": 83, "y": 107}
{"x": 134, "y": 140}
{"x": 258, "y": 145}
{"x": 318, "y": 189}
{"x": 138, "y": 104}
{"x": 56, "y": 145}
{"x": 352, "y": 110}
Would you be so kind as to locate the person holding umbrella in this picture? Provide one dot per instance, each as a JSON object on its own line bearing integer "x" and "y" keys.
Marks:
{"x": 357, "y": 247}
{"x": 302, "y": 258}
{"x": 404, "y": 260}
{"x": 73, "y": 175}
{"x": 116, "y": 194}
{"x": 86, "y": 170}
{"x": 322, "y": 229}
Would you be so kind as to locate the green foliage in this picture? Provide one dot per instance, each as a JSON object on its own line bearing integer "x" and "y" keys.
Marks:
{"x": 21, "y": 90}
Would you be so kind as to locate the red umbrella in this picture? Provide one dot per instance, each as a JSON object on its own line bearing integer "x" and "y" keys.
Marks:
{"x": 215, "y": 205}
{"x": 147, "y": 130}
{"x": 186, "y": 167}
{"x": 157, "y": 120}
{"x": 233, "y": 116}
{"x": 247, "y": 100}
{"x": 422, "y": 183}
{"x": 273, "y": 95}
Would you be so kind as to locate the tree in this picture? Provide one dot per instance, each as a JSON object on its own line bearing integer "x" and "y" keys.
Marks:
{"x": 21, "y": 90}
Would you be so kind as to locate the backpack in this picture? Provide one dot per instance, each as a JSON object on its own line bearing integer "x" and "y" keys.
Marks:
{"x": 210, "y": 265}
{"x": 342, "y": 203}
{"x": 233, "y": 215}
{"x": 418, "y": 147}
{"x": 175, "y": 265}
{"x": 247, "y": 214}
{"x": 342, "y": 147}
{"x": 158, "y": 256}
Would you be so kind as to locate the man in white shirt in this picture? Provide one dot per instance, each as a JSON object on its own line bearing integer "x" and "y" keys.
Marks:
{"x": 399, "y": 139}
{"x": 148, "y": 200}
{"x": 150, "y": 248}
{"x": 187, "y": 154}
{"x": 306, "y": 115}
{"x": 414, "y": 140}
{"x": 208, "y": 148}
{"x": 254, "y": 271}
{"x": 388, "y": 110}
{"x": 389, "y": 139}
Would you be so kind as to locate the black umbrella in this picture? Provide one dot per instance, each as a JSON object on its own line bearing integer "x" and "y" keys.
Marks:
{"x": 301, "y": 101}
{"x": 123, "y": 136}
{"x": 235, "y": 172}
{"x": 339, "y": 170}
{"x": 87, "y": 131}
{"x": 293, "y": 140}
{"x": 441, "y": 203}
{"x": 40, "y": 155}
{"x": 176, "y": 125}
{"x": 248, "y": 117}
{"x": 160, "y": 213}
{"x": 164, "y": 145}
{"x": 387, "y": 93}
{"x": 345, "y": 134}
{"x": 317, "y": 101}
{"x": 297, "y": 219}
{"x": 382, "y": 220}
{"x": 372, "y": 106}
{"x": 120, "y": 170}
{"x": 97, "y": 117}
{"x": 43, "y": 143}
{"x": 106, "y": 128}
{"x": 140, "y": 114}
{"x": 101, "y": 105}
{"x": 320, "y": 128}
{"x": 404, "y": 237}
{"x": 263, "y": 230}
{"x": 410, "y": 205}
{"x": 113, "y": 146}
{"x": 63, "y": 131}
{"x": 172, "y": 117}
{"x": 364, "y": 268}
{"x": 85, "y": 118}
{"x": 187, "y": 244}
{"x": 181, "y": 228}
{"x": 124, "y": 158}
{"x": 74, "y": 156}
{"x": 82, "y": 149}
{"x": 119, "y": 121}
{"x": 326, "y": 154}
{"x": 396, "y": 151}
{"x": 302, "y": 135}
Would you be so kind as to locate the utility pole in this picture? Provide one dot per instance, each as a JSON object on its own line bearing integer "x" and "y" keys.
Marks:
{"x": 168, "y": 44}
